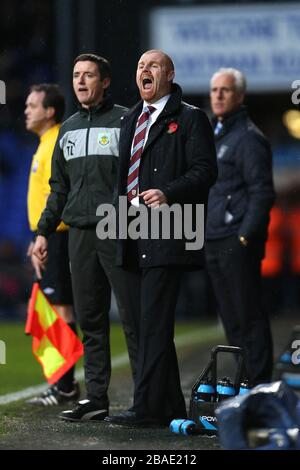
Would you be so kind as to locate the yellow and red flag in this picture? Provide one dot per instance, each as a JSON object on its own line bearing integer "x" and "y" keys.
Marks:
{"x": 54, "y": 344}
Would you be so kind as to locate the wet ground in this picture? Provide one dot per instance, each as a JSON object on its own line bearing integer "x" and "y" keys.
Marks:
{"x": 40, "y": 429}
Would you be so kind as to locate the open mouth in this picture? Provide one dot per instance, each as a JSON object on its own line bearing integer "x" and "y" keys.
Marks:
{"x": 147, "y": 83}
{"x": 82, "y": 89}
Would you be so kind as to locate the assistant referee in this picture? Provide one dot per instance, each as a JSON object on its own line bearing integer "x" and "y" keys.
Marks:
{"x": 44, "y": 111}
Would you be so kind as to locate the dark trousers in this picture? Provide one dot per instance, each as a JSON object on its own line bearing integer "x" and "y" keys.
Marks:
{"x": 94, "y": 273}
{"x": 153, "y": 298}
{"x": 235, "y": 273}
{"x": 57, "y": 283}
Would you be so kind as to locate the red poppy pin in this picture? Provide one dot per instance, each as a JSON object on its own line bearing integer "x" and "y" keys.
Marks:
{"x": 173, "y": 126}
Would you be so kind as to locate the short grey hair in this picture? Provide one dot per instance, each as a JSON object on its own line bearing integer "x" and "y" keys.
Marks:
{"x": 239, "y": 78}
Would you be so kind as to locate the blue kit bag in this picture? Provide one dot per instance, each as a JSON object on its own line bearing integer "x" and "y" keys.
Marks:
{"x": 266, "y": 418}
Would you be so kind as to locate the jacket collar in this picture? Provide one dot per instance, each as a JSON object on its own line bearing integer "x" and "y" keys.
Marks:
{"x": 173, "y": 103}
{"x": 105, "y": 105}
{"x": 172, "y": 107}
{"x": 229, "y": 119}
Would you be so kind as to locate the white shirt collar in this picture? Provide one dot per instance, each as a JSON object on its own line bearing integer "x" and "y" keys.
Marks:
{"x": 159, "y": 104}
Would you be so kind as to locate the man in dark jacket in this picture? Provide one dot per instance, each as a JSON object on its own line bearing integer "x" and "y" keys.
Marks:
{"x": 237, "y": 222}
{"x": 83, "y": 176}
{"x": 177, "y": 164}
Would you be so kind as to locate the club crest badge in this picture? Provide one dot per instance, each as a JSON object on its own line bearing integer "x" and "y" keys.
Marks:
{"x": 103, "y": 138}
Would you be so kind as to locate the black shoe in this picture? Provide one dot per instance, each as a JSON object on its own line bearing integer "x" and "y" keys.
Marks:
{"x": 130, "y": 418}
{"x": 53, "y": 396}
{"x": 85, "y": 410}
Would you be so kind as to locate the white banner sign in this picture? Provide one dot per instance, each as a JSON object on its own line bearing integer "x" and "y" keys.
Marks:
{"x": 261, "y": 41}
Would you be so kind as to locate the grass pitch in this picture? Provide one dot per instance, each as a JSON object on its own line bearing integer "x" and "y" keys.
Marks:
{"x": 22, "y": 370}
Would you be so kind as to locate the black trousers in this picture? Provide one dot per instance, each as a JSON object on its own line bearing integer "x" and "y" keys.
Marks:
{"x": 235, "y": 273}
{"x": 56, "y": 281}
{"x": 153, "y": 298}
{"x": 57, "y": 286}
{"x": 94, "y": 273}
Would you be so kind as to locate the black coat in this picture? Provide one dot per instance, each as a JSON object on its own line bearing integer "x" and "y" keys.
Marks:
{"x": 244, "y": 187}
{"x": 181, "y": 163}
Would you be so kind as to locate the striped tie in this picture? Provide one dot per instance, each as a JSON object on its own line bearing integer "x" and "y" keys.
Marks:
{"x": 136, "y": 152}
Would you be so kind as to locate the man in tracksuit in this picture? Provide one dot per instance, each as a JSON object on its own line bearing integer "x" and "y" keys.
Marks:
{"x": 237, "y": 222}
{"x": 84, "y": 170}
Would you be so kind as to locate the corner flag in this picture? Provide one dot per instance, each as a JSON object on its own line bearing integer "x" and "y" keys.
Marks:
{"x": 54, "y": 344}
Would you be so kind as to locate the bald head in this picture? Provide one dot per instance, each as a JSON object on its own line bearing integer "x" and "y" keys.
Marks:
{"x": 165, "y": 58}
{"x": 154, "y": 76}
